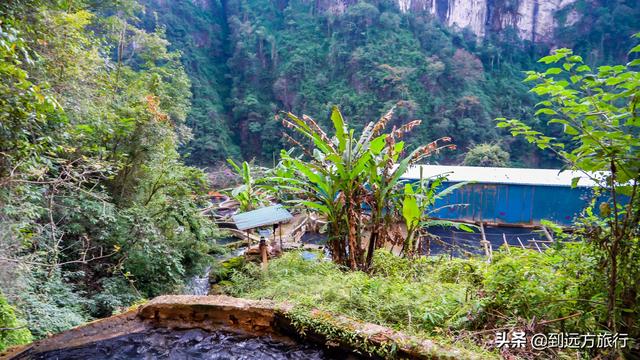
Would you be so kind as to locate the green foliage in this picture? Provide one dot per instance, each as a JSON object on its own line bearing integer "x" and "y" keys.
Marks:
{"x": 342, "y": 173}
{"x": 50, "y": 303}
{"x": 28, "y": 112}
{"x": 600, "y": 30}
{"x": 249, "y": 59}
{"x": 200, "y": 35}
{"x": 97, "y": 209}
{"x": 528, "y": 285}
{"x": 597, "y": 111}
{"x": 116, "y": 294}
{"x": 329, "y": 327}
{"x": 247, "y": 194}
{"x": 12, "y": 330}
{"x": 400, "y": 294}
{"x": 486, "y": 155}
{"x": 552, "y": 291}
{"x": 417, "y": 206}
{"x": 410, "y": 211}
{"x": 226, "y": 269}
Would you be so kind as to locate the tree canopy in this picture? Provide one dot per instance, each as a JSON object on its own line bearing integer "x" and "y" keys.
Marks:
{"x": 97, "y": 209}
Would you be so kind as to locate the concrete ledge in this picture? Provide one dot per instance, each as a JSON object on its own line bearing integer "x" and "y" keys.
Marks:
{"x": 253, "y": 317}
{"x": 97, "y": 330}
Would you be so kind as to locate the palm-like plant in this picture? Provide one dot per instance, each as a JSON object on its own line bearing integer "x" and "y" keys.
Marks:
{"x": 417, "y": 207}
{"x": 342, "y": 174}
{"x": 247, "y": 194}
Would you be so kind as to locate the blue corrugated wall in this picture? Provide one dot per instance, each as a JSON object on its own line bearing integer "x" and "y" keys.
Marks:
{"x": 514, "y": 204}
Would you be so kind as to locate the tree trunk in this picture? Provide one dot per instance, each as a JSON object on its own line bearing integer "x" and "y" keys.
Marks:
{"x": 613, "y": 283}
{"x": 372, "y": 245}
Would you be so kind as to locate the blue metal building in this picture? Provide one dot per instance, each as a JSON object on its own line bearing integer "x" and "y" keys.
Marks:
{"x": 509, "y": 196}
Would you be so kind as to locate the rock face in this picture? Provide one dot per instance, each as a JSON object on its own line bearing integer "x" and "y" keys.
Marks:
{"x": 532, "y": 19}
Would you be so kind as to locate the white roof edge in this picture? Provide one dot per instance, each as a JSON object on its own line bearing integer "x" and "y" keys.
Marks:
{"x": 496, "y": 175}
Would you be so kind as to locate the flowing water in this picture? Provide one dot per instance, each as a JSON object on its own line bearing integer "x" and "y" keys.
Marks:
{"x": 192, "y": 344}
{"x": 199, "y": 284}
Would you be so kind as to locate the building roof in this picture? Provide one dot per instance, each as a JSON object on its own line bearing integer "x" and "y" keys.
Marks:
{"x": 269, "y": 215}
{"x": 495, "y": 175}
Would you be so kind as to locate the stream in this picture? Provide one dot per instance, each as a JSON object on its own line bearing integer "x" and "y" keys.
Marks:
{"x": 199, "y": 284}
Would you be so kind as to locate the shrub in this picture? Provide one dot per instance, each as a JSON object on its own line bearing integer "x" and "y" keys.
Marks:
{"x": 50, "y": 305}
{"x": 14, "y": 330}
{"x": 543, "y": 286}
{"x": 400, "y": 293}
{"x": 116, "y": 294}
{"x": 459, "y": 270}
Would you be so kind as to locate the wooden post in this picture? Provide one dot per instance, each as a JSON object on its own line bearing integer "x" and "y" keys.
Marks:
{"x": 547, "y": 234}
{"x": 506, "y": 244}
{"x": 263, "y": 253}
{"x": 248, "y": 240}
{"x": 273, "y": 241}
{"x": 485, "y": 243}
{"x": 280, "y": 231}
{"x": 536, "y": 244}
{"x": 520, "y": 241}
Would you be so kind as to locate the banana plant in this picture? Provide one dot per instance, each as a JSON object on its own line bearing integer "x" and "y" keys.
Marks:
{"x": 341, "y": 174}
{"x": 384, "y": 180}
{"x": 417, "y": 207}
{"x": 333, "y": 180}
{"x": 248, "y": 193}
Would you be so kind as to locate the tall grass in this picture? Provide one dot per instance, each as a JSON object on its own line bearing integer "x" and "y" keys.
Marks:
{"x": 412, "y": 296}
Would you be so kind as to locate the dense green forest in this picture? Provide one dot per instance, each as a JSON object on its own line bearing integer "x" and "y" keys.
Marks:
{"x": 110, "y": 110}
{"x": 250, "y": 59}
{"x": 97, "y": 208}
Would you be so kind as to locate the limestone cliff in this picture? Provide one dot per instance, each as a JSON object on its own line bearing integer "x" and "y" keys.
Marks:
{"x": 533, "y": 19}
